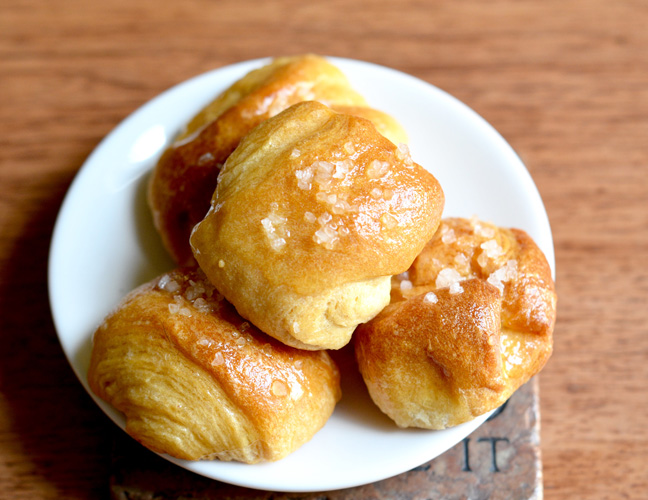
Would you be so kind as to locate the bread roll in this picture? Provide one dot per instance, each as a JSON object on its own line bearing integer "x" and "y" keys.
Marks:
{"x": 184, "y": 179}
{"x": 470, "y": 322}
{"x": 313, "y": 214}
{"x": 196, "y": 381}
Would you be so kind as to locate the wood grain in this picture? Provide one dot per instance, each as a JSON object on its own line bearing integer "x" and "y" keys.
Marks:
{"x": 499, "y": 461}
{"x": 566, "y": 82}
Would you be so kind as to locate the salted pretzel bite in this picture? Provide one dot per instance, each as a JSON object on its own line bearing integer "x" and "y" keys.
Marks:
{"x": 184, "y": 179}
{"x": 313, "y": 214}
{"x": 470, "y": 322}
{"x": 196, "y": 381}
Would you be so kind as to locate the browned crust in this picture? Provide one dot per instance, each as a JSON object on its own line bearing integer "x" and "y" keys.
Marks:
{"x": 391, "y": 215}
{"x": 272, "y": 398}
{"x": 185, "y": 177}
{"x": 439, "y": 362}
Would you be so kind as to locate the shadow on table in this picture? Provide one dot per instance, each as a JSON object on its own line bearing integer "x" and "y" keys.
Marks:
{"x": 55, "y": 431}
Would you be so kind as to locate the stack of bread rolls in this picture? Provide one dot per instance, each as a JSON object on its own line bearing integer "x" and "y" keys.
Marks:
{"x": 300, "y": 223}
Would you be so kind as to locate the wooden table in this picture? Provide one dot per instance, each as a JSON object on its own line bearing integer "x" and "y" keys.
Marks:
{"x": 566, "y": 82}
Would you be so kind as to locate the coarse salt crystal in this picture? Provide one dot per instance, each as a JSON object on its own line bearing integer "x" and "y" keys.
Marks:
{"x": 304, "y": 178}
{"x": 324, "y": 167}
{"x": 324, "y": 218}
{"x": 339, "y": 207}
{"x": 403, "y": 153}
{"x": 447, "y": 277}
{"x": 202, "y": 305}
{"x": 205, "y": 159}
{"x": 482, "y": 260}
{"x": 219, "y": 359}
{"x": 194, "y": 290}
{"x": 168, "y": 284}
{"x": 320, "y": 236}
{"x": 388, "y": 221}
{"x": 323, "y": 173}
{"x": 342, "y": 169}
{"x": 309, "y": 217}
{"x": 456, "y": 288}
{"x": 326, "y": 236}
{"x": 507, "y": 272}
{"x": 276, "y": 233}
{"x": 484, "y": 231}
{"x": 448, "y": 236}
{"x": 221, "y": 263}
{"x": 267, "y": 349}
{"x": 330, "y": 230}
{"x": 377, "y": 169}
{"x": 492, "y": 248}
{"x": 480, "y": 228}
{"x": 376, "y": 193}
{"x": 277, "y": 243}
{"x": 461, "y": 259}
{"x": 430, "y": 298}
{"x": 511, "y": 269}
{"x": 279, "y": 388}
{"x": 406, "y": 285}
{"x": 330, "y": 245}
{"x": 267, "y": 225}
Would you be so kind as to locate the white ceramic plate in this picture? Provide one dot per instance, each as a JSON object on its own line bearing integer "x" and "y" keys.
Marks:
{"x": 104, "y": 245}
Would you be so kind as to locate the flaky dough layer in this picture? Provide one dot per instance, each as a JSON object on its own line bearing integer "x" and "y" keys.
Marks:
{"x": 197, "y": 381}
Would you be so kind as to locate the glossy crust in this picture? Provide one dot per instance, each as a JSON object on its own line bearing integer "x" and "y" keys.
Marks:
{"x": 470, "y": 322}
{"x": 185, "y": 177}
{"x": 313, "y": 213}
{"x": 196, "y": 381}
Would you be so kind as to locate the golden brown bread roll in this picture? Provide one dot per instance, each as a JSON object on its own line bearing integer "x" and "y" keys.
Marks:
{"x": 197, "y": 381}
{"x": 313, "y": 214}
{"x": 184, "y": 179}
{"x": 470, "y": 322}
{"x": 277, "y": 85}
